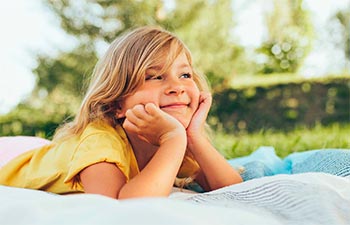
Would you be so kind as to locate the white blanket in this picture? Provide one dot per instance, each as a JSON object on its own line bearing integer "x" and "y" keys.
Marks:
{"x": 306, "y": 198}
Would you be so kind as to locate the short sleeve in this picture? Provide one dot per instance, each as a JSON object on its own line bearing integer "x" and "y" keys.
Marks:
{"x": 101, "y": 147}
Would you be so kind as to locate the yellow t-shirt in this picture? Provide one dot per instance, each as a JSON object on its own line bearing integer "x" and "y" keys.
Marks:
{"x": 56, "y": 167}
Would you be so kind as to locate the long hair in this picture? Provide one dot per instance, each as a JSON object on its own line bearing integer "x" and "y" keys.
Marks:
{"x": 122, "y": 70}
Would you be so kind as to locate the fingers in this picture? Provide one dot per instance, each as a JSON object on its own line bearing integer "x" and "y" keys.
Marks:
{"x": 139, "y": 117}
{"x": 198, "y": 120}
{"x": 139, "y": 113}
{"x": 134, "y": 118}
{"x": 205, "y": 101}
{"x": 205, "y": 98}
{"x": 151, "y": 124}
{"x": 151, "y": 108}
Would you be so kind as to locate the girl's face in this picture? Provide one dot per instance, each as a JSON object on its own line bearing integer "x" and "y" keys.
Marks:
{"x": 174, "y": 92}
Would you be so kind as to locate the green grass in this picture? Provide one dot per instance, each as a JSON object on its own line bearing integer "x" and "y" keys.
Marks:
{"x": 300, "y": 139}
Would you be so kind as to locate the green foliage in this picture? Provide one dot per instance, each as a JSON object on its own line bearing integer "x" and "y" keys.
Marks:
{"x": 57, "y": 95}
{"x": 209, "y": 37}
{"x": 104, "y": 19}
{"x": 281, "y": 106}
{"x": 343, "y": 17}
{"x": 67, "y": 72}
{"x": 289, "y": 41}
{"x": 29, "y": 121}
{"x": 282, "y": 57}
{"x": 40, "y": 115}
{"x": 297, "y": 140}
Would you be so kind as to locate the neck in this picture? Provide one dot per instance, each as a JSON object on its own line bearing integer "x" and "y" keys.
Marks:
{"x": 143, "y": 150}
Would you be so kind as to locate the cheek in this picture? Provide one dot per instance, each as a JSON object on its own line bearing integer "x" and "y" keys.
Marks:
{"x": 140, "y": 97}
{"x": 195, "y": 94}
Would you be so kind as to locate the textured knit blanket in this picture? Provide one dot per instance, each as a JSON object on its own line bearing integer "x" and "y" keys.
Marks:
{"x": 300, "y": 199}
{"x": 307, "y": 188}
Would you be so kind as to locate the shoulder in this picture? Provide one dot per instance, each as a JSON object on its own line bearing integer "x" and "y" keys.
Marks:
{"x": 100, "y": 142}
{"x": 101, "y": 129}
{"x": 102, "y": 136}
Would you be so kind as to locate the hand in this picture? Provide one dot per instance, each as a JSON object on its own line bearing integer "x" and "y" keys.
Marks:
{"x": 152, "y": 124}
{"x": 196, "y": 126}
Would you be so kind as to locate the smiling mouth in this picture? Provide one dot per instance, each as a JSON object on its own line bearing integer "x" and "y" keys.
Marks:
{"x": 174, "y": 106}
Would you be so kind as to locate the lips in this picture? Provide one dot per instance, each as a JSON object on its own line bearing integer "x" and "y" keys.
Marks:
{"x": 175, "y": 105}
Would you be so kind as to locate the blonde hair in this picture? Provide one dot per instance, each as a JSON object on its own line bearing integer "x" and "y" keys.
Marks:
{"x": 122, "y": 70}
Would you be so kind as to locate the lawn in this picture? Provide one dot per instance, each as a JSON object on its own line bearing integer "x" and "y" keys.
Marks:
{"x": 300, "y": 139}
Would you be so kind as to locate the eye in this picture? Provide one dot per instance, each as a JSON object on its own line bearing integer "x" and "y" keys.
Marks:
{"x": 160, "y": 77}
{"x": 153, "y": 77}
{"x": 186, "y": 75}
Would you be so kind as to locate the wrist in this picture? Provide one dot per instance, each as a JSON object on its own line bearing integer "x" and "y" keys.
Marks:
{"x": 177, "y": 136}
{"x": 197, "y": 142}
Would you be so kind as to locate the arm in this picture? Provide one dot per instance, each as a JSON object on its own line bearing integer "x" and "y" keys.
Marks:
{"x": 215, "y": 171}
{"x": 157, "y": 178}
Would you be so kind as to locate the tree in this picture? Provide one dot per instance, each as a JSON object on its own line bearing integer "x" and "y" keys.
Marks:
{"x": 289, "y": 37}
{"x": 210, "y": 38}
{"x": 342, "y": 18}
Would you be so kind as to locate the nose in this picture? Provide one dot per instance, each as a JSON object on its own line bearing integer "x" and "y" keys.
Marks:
{"x": 174, "y": 87}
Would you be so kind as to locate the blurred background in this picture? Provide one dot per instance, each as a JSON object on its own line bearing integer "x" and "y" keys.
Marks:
{"x": 279, "y": 69}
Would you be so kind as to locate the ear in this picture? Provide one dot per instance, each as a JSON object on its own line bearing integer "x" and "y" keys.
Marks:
{"x": 120, "y": 113}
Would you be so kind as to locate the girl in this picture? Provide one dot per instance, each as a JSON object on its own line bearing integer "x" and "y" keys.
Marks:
{"x": 141, "y": 124}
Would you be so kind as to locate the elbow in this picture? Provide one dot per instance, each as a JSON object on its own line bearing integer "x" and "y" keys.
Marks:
{"x": 235, "y": 179}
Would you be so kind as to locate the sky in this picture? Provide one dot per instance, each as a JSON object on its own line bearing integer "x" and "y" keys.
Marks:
{"x": 28, "y": 28}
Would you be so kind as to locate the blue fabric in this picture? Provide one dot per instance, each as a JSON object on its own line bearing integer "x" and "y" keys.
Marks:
{"x": 255, "y": 169}
{"x": 298, "y": 157}
{"x": 265, "y": 162}
{"x": 332, "y": 161}
{"x": 262, "y": 162}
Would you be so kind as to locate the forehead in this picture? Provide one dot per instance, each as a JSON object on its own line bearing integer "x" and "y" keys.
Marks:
{"x": 181, "y": 61}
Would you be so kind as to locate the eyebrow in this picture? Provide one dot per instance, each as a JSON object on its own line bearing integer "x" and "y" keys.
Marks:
{"x": 184, "y": 65}
{"x": 155, "y": 68}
